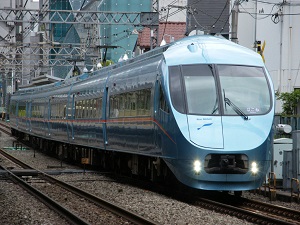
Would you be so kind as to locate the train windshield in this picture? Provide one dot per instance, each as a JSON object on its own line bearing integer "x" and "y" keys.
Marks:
{"x": 220, "y": 89}
{"x": 244, "y": 90}
{"x": 201, "y": 92}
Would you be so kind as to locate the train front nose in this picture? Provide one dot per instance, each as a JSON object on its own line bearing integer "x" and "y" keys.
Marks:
{"x": 206, "y": 131}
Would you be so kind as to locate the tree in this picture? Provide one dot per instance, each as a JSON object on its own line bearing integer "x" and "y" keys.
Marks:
{"x": 290, "y": 101}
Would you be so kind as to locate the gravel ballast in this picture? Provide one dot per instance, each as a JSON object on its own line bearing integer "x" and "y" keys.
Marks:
{"x": 158, "y": 208}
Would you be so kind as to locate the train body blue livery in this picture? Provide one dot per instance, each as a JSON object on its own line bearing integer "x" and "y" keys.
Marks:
{"x": 203, "y": 106}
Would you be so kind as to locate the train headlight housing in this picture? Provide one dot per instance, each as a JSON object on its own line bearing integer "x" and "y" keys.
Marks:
{"x": 197, "y": 166}
{"x": 254, "y": 168}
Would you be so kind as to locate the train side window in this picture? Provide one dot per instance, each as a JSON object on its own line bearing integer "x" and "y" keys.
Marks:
{"x": 42, "y": 111}
{"x": 143, "y": 102}
{"x": 78, "y": 109}
{"x": 90, "y": 108}
{"x": 98, "y": 108}
{"x": 58, "y": 114}
{"x": 114, "y": 106}
{"x": 92, "y": 111}
{"x": 136, "y": 103}
{"x": 87, "y": 108}
{"x": 93, "y": 108}
{"x": 127, "y": 104}
{"x": 83, "y": 109}
{"x": 13, "y": 108}
{"x": 133, "y": 111}
{"x": 21, "y": 111}
{"x": 63, "y": 112}
{"x": 53, "y": 112}
{"x": 121, "y": 105}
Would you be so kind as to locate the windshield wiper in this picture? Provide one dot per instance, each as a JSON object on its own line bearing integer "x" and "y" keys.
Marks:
{"x": 216, "y": 108}
{"x": 234, "y": 107}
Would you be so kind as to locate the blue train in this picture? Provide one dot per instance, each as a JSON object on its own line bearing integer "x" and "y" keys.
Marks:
{"x": 201, "y": 109}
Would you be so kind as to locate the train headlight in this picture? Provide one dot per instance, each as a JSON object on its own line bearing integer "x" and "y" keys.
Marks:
{"x": 254, "y": 168}
{"x": 197, "y": 167}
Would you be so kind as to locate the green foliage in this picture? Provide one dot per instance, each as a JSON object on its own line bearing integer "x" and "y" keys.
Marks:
{"x": 107, "y": 63}
{"x": 290, "y": 101}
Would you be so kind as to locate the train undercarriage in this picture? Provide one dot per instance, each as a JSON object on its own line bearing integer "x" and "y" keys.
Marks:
{"x": 133, "y": 165}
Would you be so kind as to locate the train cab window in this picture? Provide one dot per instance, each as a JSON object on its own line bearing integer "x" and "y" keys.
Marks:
{"x": 200, "y": 88}
{"x": 176, "y": 88}
{"x": 246, "y": 88}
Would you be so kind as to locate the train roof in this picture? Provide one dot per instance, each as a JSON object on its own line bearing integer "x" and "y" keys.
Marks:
{"x": 211, "y": 50}
{"x": 189, "y": 50}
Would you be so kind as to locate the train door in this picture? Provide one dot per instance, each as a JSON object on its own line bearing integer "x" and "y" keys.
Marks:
{"x": 47, "y": 117}
{"x": 162, "y": 116}
{"x": 157, "y": 137}
{"x": 17, "y": 114}
{"x": 104, "y": 116}
{"x": 70, "y": 117}
{"x": 13, "y": 114}
{"x": 28, "y": 116}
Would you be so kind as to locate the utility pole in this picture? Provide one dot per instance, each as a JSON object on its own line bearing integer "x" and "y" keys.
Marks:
{"x": 234, "y": 21}
{"x": 154, "y": 30}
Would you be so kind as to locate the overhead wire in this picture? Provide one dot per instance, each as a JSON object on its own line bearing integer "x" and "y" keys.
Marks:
{"x": 222, "y": 28}
{"x": 166, "y": 23}
{"x": 221, "y": 12}
{"x": 255, "y": 17}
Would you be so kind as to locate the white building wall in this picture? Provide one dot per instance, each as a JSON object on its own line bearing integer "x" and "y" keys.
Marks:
{"x": 172, "y": 11}
{"x": 281, "y": 34}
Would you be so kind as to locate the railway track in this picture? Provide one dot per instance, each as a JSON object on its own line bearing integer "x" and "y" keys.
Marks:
{"x": 63, "y": 205}
{"x": 250, "y": 210}
{"x": 5, "y": 128}
{"x": 253, "y": 211}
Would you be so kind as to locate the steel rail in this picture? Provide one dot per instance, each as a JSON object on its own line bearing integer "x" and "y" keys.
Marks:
{"x": 5, "y": 130}
{"x": 269, "y": 208}
{"x": 62, "y": 211}
{"x": 252, "y": 214}
{"x": 117, "y": 210}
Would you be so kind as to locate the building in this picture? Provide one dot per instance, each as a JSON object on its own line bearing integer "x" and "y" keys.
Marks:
{"x": 46, "y": 45}
{"x": 122, "y": 37}
{"x": 209, "y": 16}
{"x": 276, "y": 25}
{"x": 168, "y": 31}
